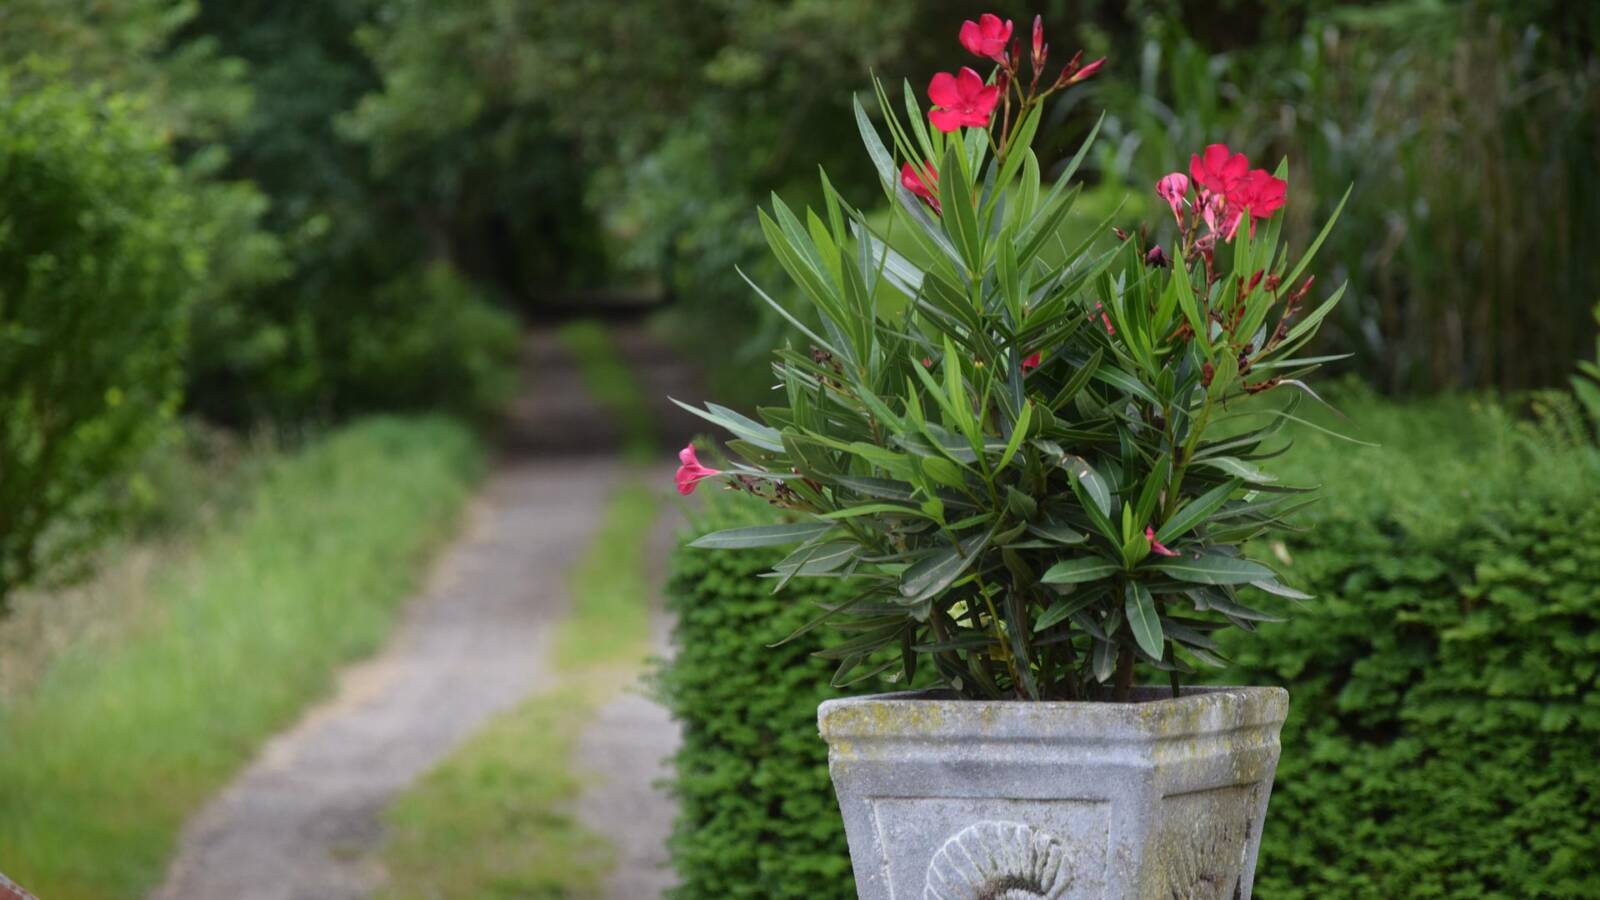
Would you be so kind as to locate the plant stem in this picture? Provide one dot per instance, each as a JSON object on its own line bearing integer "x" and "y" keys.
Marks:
{"x": 1124, "y": 683}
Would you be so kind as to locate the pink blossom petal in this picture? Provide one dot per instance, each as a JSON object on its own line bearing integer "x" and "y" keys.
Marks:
{"x": 942, "y": 90}
{"x": 1156, "y": 546}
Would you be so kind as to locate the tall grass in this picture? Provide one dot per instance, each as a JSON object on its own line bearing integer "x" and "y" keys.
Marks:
{"x": 123, "y": 736}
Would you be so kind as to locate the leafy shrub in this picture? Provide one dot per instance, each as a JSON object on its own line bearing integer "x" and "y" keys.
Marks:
{"x": 97, "y": 265}
{"x": 1446, "y": 689}
{"x": 1029, "y": 465}
{"x": 1446, "y": 694}
{"x": 430, "y": 340}
{"x": 757, "y": 815}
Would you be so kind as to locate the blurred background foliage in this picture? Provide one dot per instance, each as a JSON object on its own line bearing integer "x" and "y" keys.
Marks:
{"x": 374, "y": 192}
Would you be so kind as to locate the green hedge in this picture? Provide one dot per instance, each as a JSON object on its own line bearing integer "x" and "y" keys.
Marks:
{"x": 1445, "y": 715}
{"x": 757, "y": 813}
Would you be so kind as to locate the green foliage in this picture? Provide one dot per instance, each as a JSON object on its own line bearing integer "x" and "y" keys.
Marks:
{"x": 757, "y": 815}
{"x": 98, "y": 264}
{"x": 1445, "y": 692}
{"x": 385, "y": 297}
{"x": 995, "y": 443}
{"x": 237, "y": 632}
{"x": 427, "y": 339}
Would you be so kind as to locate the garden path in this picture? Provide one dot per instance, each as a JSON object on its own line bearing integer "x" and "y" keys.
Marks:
{"x": 302, "y": 821}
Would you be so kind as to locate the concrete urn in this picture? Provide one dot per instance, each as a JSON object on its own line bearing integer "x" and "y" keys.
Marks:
{"x": 1162, "y": 797}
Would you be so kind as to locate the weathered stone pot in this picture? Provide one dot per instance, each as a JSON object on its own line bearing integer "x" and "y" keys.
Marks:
{"x": 947, "y": 799}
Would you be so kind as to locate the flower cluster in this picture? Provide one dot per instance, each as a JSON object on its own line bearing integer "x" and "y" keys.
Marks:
{"x": 1227, "y": 192}
{"x": 967, "y": 100}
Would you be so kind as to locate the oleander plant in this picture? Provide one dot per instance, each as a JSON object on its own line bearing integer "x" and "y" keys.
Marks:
{"x": 1037, "y": 465}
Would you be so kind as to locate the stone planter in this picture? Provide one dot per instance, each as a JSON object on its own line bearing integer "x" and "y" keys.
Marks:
{"x": 948, "y": 799}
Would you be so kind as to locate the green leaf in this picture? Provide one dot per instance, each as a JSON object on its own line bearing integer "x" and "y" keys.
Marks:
{"x": 937, "y": 571}
{"x": 955, "y": 199}
{"x": 1062, "y": 609}
{"x": 1214, "y": 601}
{"x": 1077, "y": 381}
{"x": 1141, "y": 611}
{"x": 818, "y": 560}
{"x": 943, "y": 471}
{"x": 876, "y": 509}
{"x": 1238, "y": 468}
{"x": 1105, "y": 660}
{"x": 1058, "y": 533}
{"x": 883, "y": 488}
{"x": 756, "y": 433}
{"x": 1080, "y": 570}
{"x": 1195, "y": 511}
{"x": 1021, "y": 140}
{"x": 762, "y": 536}
{"x": 1091, "y": 481}
{"x": 1213, "y": 568}
{"x": 882, "y": 160}
{"x": 1272, "y": 586}
{"x": 1018, "y": 432}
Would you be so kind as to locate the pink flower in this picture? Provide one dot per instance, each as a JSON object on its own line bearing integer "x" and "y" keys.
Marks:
{"x": 690, "y": 472}
{"x": 1259, "y": 193}
{"x": 1155, "y": 545}
{"x": 1212, "y": 207}
{"x": 987, "y": 37}
{"x": 913, "y": 182}
{"x": 1173, "y": 189}
{"x": 1032, "y": 361}
{"x": 964, "y": 100}
{"x": 1157, "y": 258}
{"x": 1219, "y": 170}
{"x": 1105, "y": 319}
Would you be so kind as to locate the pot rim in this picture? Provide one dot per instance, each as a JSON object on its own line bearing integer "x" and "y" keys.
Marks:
{"x": 1201, "y": 709}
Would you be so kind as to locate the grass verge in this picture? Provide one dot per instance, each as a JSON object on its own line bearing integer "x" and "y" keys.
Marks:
{"x": 613, "y": 386}
{"x": 496, "y": 819}
{"x": 126, "y": 732}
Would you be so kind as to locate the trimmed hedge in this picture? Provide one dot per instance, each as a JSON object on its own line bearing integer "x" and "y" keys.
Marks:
{"x": 1446, "y": 681}
{"x": 757, "y": 814}
{"x": 1445, "y": 714}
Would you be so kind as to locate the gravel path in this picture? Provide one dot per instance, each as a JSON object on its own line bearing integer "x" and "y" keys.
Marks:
{"x": 302, "y": 821}
{"x": 624, "y": 755}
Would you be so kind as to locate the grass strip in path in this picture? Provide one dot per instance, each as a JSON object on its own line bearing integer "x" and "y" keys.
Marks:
{"x": 107, "y": 753}
{"x": 497, "y": 818}
{"x": 613, "y": 385}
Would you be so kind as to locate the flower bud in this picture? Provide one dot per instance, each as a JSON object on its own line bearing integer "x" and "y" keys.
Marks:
{"x": 1039, "y": 51}
{"x": 1088, "y": 72}
{"x": 1068, "y": 70}
{"x": 1157, "y": 258}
